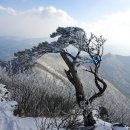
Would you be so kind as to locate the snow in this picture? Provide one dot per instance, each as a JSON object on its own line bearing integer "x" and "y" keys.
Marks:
{"x": 10, "y": 122}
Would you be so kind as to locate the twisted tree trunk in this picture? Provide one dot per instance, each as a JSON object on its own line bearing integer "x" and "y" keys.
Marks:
{"x": 73, "y": 77}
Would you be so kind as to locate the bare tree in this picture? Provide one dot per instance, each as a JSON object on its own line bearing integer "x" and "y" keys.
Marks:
{"x": 90, "y": 62}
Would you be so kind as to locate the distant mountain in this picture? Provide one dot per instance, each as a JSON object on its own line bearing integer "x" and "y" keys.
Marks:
{"x": 10, "y": 44}
{"x": 116, "y": 69}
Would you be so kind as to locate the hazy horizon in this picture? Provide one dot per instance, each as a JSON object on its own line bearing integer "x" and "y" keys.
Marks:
{"x": 39, "y": 18}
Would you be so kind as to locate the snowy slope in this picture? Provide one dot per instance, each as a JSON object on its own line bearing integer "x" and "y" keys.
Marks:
{"x": 112, "y": 98}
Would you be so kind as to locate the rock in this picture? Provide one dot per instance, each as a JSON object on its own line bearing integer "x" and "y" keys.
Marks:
{"x": 118, "y": 127}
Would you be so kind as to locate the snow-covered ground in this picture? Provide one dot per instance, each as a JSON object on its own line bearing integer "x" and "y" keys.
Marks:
{"x": 10, "y": 122}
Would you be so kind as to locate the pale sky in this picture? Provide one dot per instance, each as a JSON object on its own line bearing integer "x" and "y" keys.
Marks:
{"x": 39, "y": 18}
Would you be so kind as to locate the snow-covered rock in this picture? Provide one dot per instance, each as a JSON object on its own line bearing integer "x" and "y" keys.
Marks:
{"x": 9, "y": 122}
{"x": 6, "y": 110}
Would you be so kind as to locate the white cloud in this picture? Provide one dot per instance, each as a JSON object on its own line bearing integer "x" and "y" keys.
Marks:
{"x": 8, "y": 10}
{"x": 116, "y": 28}
{"x": 40, "y": 22}
{"x": 37, "y": 22}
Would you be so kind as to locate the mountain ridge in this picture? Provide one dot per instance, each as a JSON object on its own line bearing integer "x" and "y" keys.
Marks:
{"x": 116, "y": 69}
{"x": 11, "y": 44}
